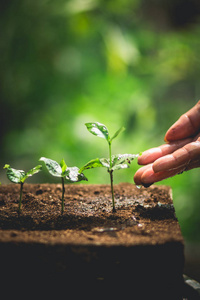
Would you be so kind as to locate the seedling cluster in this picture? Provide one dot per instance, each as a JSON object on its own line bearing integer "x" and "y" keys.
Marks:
{"x": 74, "y": 174}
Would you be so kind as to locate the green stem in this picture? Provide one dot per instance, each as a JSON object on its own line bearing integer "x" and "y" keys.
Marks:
{"x": 110, "y": 156}
{"x": 20, "y": 197}
{"x": 112, "y": 190}
{"x": 63, "y": 192}
{"x": 111, "y": 178}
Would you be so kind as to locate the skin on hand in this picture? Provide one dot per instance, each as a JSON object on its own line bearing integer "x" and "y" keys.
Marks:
{"x": 187, "y": 125}
{"x": 181, "y": 153}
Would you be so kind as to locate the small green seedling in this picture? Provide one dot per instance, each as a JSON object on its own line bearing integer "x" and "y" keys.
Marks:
{"x": 68, "y": 174}
{"x": 19, "y": 176}
{"x": 114, "y": 162}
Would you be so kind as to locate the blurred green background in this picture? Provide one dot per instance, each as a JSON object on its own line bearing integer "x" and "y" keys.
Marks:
{"x": 131, "y": 63}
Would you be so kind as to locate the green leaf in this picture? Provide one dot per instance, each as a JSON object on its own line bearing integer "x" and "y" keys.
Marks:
{"x": 6, "y": 166}
{"x": 63, "y": 166}
{"x": 117, "y": 133}
{"x": 94, "y": 163}
{"x": 15, "y": 176}
{"x": 98, "y": 129}
{"x": 105, "y": 162}
{"x": 122, "y": 161}
{"x": 31, "y": 172}
{"x": 19, "y": 176}
{"x": 74, "y": 175}
{"x": 118, "y": 167}
{"x": 52, "y": 166}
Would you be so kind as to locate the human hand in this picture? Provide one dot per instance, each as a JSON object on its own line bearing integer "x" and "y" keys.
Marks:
{"x": 180, "y": 153}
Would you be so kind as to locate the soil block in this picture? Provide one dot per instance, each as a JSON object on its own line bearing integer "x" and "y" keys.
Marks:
{"x": 136, "y": 252}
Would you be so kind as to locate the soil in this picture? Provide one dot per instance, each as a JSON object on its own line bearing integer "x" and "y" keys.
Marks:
{"x": 91, "y": 243}
{"x": 146, "y": 215}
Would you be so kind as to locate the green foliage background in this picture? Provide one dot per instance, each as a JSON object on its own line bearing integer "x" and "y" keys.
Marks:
{"x": 120, "y": 62}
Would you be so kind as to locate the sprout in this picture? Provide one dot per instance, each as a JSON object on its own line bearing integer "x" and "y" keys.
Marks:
{"x": 19, "y": 176}
{"x": 68, "y": 174}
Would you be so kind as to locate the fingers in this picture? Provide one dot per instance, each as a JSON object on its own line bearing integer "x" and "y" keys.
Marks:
{"x": 138, "y": 177}
{"x": 185, "y": 158}
{"x": 193, "y": 165}
{"x": 181, "y": 157}
{"x": 139, "y": 173}
{"x": 181, "y": 154}
{"x": 146, "y": 175}
{"x": 186, "y": 126}
{"x": 152, "y": 154}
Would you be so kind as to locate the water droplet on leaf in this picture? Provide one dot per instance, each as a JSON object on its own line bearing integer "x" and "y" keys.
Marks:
{"x": 138, "y": 187}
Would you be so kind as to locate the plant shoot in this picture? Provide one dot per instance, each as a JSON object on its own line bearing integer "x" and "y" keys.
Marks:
{"x": 114, "y": 162}
{"x": 19, "y": 176}
{"x": 68, "y": 174}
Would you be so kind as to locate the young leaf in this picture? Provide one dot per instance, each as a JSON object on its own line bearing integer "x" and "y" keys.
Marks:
{"x": 123, "y": 158}
{"x": 98, "y": 129}
{"x": 94, "y": 163}
{"x": 6, "y": 166}
{"x": 63, "y": 166}
{"x": 119, "y": 167}
{"x": 122, "y": 161}
{"x": 105, "y": 162}
{"x": 52, "y": 166}
{"x": 117, "y": 133}
{"x": 74, "y": 175}
{"x": 31, "y": 172}
{"x": 14, "y": 175}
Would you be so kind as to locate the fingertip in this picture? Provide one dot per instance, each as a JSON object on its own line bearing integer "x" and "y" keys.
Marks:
{"x": 169, "y": 135}
{"x": 140, "y": 161}
{"x": 138, "y": 175}
{"x": 147, "y": 177}
{"x": 136, "y": 180}
{"x": 149, "y": 156}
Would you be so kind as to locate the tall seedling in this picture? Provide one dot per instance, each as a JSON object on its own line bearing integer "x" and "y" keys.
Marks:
{"x": 114, "y": 162}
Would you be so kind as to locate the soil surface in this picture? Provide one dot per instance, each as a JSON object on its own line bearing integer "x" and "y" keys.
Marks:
{"x": 134, "y": 252}
{"x": 143, "y": 216}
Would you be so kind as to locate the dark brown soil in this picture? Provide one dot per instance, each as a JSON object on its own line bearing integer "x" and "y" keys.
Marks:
{"x": 140, "y": 244}
{"x": 143, "y": 216}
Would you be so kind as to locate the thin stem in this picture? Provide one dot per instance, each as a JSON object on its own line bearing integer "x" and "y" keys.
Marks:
{"x": 20, "y": 197}
{"x": 63, "y": 192}
{"x": 112, "y": 190}
{"x": 110, "y": 156}
{"x": 111, "y": 178}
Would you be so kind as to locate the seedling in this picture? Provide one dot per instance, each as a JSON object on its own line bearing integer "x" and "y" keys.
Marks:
{"x": 114, "y": 162}
{"x": 68, "y": 174}
{"x": 19, "y": 176}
